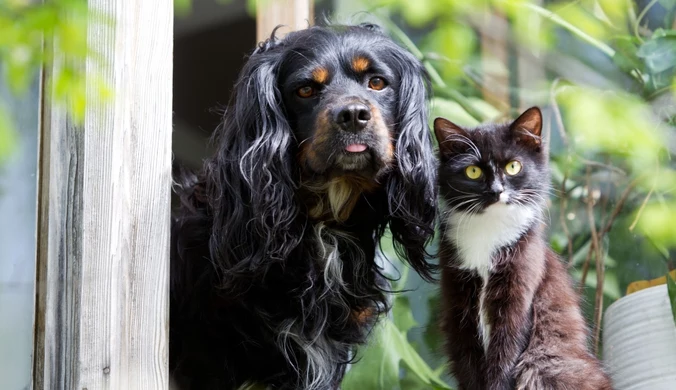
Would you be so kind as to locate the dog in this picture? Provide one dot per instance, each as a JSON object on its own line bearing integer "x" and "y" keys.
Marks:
{"x": 325, "y": 145}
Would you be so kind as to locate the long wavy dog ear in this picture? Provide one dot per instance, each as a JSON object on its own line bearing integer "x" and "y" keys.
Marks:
{"x": 250, "y": 181}
{"x": 412, "y": 187}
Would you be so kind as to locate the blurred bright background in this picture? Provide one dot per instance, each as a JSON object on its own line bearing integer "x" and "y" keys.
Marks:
{"x": 601, "y": 70}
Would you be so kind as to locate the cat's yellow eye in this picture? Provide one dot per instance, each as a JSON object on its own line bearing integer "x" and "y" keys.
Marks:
{"x": 513, "y": 167}
{"x": 473, "y": 172}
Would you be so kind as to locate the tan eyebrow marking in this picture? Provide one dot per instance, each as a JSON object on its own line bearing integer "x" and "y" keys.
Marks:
{"x": 360, "y": 64}
{"x": 320, "y": 75}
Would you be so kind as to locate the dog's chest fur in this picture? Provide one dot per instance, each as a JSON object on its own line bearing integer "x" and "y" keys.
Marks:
{"x": 477, "y": 239}
{"x": 325, "y": 356}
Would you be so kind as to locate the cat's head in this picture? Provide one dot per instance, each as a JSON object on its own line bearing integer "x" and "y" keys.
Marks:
{"x": 493, "y": 164}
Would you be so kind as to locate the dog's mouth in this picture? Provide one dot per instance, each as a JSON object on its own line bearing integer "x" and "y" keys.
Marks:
{"x": 366, "y": 153}
{"x": 355, "y": 157}
{"x": 356, "y": 148}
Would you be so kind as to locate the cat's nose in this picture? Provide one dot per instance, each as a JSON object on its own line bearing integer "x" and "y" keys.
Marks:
{"x": 495, "y": 192}
{"x": 494, "y": 195}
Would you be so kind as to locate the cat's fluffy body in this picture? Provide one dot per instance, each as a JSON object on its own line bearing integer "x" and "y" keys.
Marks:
{"x": 511, "y": 317}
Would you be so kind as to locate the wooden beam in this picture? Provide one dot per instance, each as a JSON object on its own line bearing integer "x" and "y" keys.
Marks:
{"x": 104, "y": 201}
{"x": 530, "y": 67}
{"x": 494, "y": 30}
{"x": 293, "y": 14}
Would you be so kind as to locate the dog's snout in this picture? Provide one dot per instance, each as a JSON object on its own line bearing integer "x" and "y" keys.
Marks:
{"x": 353, "y": 117}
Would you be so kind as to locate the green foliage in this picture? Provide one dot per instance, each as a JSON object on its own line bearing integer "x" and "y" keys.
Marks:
{"x": 63, "y": 25}
{"x": 7, "y": 135}
{"x": 182, "y": 7}
{"x": 671, "y": 287}
{"x": 381, "y": 362}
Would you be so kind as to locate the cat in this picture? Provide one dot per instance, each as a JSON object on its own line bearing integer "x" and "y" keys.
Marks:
{"x": 510, "y": 315}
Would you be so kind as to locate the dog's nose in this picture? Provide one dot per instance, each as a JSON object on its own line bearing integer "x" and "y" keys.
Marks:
{"x": 353, "y": 117}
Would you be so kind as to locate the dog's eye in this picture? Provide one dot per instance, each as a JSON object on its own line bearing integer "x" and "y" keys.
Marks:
{"x": 305, "y": 92}
{"x": 377, "y": 83}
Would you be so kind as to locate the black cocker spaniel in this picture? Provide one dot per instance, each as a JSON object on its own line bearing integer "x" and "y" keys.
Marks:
{"x": 324, "y": 145}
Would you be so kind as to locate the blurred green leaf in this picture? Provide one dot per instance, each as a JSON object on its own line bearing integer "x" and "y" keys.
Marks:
{"x": 656, "y": 222}
{"x": 616, "y": 12}
{"x": 581, "y": 254}
{"x": 660, "y": 32}
{"x": 670, "y": 12}
{"x": 613, "y": 122}
{"x": 182, "y": 7}
{"x": 452, "y": 111}
{"x": 7, "y": 133}
{"x": 611, "y": 287}
{"x": 413, "y": 361}
{"x": 457, "y": 41}
{"x": 586, "y": 28}
{"x": 625, "y": 56}
{"x": 671, "y": 287}
{"x": 402, "y": 314}
{"x": 659, "y": 53}
{"x": 433, "y": 337}
{"x": 378, "y": 365}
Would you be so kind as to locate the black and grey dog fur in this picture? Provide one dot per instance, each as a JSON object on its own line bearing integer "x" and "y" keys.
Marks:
{"x": 324, "y": 145}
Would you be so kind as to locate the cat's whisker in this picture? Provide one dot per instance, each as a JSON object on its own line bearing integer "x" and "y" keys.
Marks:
{"x": 463, "y": 203}
{"x": 466, "y": 141}
{"x": 535, "y": 205}
{"x": 466, "y": 196}
{"x": 460, "y": 191}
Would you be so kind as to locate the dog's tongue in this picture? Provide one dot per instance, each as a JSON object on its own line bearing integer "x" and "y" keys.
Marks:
{"x": 355, "y": 148}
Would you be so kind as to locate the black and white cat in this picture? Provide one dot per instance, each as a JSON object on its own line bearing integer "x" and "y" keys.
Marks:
{"x": 511, "y": 317}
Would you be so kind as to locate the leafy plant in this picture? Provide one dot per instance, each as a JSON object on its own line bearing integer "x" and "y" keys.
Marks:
{"x": 380, "y": 364}
{"x": 671, "y": 287}
{"x": 25, "y": 26}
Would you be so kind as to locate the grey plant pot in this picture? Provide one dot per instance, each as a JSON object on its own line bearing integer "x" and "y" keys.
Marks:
{"x": 639, "y": 341}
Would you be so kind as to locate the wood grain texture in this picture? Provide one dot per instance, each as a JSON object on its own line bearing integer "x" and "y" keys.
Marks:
{"x": 494, "y": 33}
{"x": 292, "y": 14}
{"x": 104, "y": 207}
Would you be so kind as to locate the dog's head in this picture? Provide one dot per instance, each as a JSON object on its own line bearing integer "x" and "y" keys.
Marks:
{"x": 337, "y": 110}
{"x": 340, "y": 96}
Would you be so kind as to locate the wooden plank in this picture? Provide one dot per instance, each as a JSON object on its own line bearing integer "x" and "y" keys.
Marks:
{"x": 104, "y": 204}
{"x": 532, "y": 79}
{"x": 293, "y": 14}
{"x": 494, "y": 30}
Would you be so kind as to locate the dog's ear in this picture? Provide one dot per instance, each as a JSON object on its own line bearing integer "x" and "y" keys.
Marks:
{"x": 251, "y": 183}
{"x": 412, "y": 186}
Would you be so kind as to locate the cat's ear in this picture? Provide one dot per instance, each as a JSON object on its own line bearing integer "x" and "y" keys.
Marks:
{"x": 527, "y": 128}
{"x": 451, "y": 137}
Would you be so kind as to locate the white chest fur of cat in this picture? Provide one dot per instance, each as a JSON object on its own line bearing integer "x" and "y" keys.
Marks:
{"x": 478, "y": 236}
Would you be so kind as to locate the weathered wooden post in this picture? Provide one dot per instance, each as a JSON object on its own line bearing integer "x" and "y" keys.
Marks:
{"x": 104, "y": 202}
{"x": 295, "y": 14}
